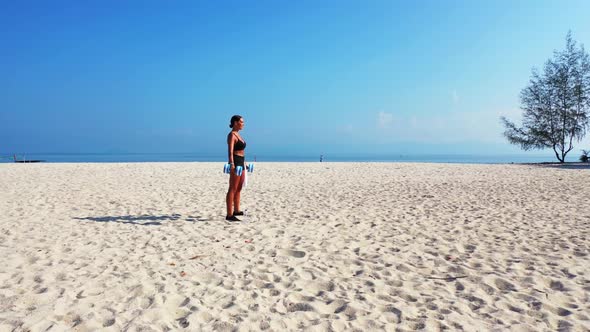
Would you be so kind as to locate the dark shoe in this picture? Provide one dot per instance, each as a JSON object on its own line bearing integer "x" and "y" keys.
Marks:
{"x": 231, "y": 218}
{"x": 239, "y": 213}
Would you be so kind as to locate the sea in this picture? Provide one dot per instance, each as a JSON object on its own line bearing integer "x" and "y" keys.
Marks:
{"x": 195, "y": 157}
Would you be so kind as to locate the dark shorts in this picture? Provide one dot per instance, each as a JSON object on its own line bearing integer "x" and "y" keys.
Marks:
{"x": 238, "y": 160}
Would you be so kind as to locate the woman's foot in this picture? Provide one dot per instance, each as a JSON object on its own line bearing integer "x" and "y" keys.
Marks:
{"x": 239, "y": 213}
{"x": 231, "y": 218}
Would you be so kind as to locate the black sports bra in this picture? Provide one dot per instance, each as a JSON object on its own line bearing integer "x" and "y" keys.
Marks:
{"x": 239, "y": 145}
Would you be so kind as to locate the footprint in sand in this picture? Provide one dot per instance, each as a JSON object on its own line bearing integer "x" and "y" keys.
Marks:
{"x": 504, "y": 285}
{"x": 223, "y": 326}
{"x": 41, "y": 290}
{"x": 562, "y": 312}
{"x": 292, "y": 307}
{"x": 319, "y": 287}
{"x": 108, "y": 322}
{"x": 557, "y": 285}
{"x": 393, "y": 310}
{"x": 292, "y": 253}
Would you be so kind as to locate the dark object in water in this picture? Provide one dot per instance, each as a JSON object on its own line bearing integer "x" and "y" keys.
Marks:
{"x": 26, "y": 161}
{"x": 29, "y": 161}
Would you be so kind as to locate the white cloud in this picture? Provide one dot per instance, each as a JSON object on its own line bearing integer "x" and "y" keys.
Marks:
{"x": 384, "y": 119}
{"x": 449, "y": 127}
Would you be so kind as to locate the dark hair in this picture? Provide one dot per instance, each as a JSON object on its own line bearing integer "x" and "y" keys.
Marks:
{"x": 234, "y": 119}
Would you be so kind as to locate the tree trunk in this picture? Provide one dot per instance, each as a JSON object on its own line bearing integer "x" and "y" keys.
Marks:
{"x": 561, "y": 159}
{"x": 563, "y": 133}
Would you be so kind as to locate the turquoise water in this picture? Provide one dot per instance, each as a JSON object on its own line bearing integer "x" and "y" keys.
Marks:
{"x": 195, "y": 157}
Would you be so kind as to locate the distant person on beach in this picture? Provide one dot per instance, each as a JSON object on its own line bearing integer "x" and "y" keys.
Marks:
{"x": 235, "y": 154}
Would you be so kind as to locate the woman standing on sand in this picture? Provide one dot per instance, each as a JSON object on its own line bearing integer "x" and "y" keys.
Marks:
{"x": 235, "y": 155}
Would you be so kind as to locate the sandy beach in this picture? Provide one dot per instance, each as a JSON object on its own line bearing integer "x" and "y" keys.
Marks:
{"x": 324, "y": 247}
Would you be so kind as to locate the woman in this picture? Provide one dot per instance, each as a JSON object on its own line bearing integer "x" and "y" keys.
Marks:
{"x": 235, "y": 154}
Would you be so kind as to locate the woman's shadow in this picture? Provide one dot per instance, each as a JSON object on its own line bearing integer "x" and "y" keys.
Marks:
{"x": 144, "y": 220}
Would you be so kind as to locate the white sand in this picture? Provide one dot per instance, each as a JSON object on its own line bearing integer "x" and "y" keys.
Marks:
{"x": 338, "y": 246}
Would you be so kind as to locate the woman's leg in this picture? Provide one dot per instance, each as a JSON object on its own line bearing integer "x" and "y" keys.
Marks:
{"x": 239, "y": 184}
{"x": 230, "y": 197}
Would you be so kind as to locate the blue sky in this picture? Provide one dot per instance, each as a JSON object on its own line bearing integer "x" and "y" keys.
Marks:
{"x": 384, "y": 77}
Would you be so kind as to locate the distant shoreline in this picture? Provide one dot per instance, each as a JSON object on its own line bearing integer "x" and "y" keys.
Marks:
{"x": 566, "y": 165}
{"x": 327, "y": 158}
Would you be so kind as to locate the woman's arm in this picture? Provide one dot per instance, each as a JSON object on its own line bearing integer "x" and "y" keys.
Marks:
{"x": 231, "y": 140}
